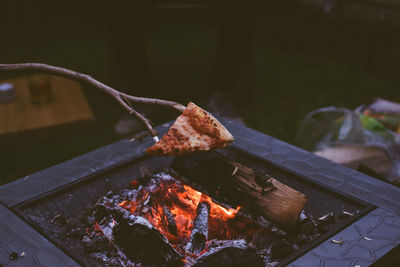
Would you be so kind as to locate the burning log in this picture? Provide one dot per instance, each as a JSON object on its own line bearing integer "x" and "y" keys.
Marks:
{"x": 199, "y": 233}
{"x": 273, "y": 199}
{"x": 170, "y": 218}
{"x": 141, "y": 222}
{"x": 140, "y": 241}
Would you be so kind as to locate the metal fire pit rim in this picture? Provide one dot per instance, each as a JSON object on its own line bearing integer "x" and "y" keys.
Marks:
{"x": 74, "y": 171}
{"x": 335, "y": 177}
{"x": 257, "y": 144}
{"x": 33, "y": 246}
{"x": 332, "y": 176}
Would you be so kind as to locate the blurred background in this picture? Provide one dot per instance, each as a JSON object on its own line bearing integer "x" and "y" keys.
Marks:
{"x": 272, "y": 61}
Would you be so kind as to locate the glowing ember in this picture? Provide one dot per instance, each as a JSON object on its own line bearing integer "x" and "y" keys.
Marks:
{"x": 189, "y": 221}
{"x": 182, "y": 201}
{"x": 181, "y": 225}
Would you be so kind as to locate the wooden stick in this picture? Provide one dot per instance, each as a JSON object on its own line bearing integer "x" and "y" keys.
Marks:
{"x": 123, "y": 99}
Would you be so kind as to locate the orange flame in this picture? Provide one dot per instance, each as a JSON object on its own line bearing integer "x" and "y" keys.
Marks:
{"x": 182, "y": 201}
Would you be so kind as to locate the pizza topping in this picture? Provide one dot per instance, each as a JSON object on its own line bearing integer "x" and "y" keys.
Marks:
{"x": 194, "y": 130}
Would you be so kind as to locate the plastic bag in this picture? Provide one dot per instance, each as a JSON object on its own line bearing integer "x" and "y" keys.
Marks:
{"x": 366, "y": 139}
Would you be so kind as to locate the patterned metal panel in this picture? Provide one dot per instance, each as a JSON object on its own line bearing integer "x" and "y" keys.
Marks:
{"x": 381, "y": 225}
{"x": 316, "y": 169}
{"x": 73, "y": 170}
{"x": 364, "y": 242}
{"x": 21, "y": 245}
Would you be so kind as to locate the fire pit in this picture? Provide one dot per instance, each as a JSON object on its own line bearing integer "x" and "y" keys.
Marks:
{"x": 116, "y": 207}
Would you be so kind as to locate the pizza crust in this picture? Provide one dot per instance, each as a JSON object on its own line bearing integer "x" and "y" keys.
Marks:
{"x": 194, "y": 130}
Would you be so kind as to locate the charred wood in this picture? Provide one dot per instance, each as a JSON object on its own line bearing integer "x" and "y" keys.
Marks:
{"x": 280, "y": 249}
{"x": 94, "y": 243}
{"x": 140, "y": 241}
{"x": 121, "y": 215}
{"x": 230, "y": 253}
{"x": 251, "y": 189}
{"x": 199, "y": 233}
{"x": 170, "y": 218}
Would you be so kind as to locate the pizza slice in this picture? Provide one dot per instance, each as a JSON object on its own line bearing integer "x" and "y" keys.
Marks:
{"x": 194, "y": 130}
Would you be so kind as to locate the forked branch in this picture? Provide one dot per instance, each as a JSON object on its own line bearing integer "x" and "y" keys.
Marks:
{"x": 123, "y": 99}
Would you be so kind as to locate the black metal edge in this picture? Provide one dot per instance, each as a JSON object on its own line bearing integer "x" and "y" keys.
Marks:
{"x": 66, "y": 186}
{"x": 338, "y": 178}
{"x": 18, "y": 209}
{"x": 300, "y": 162}
{"x": 318, "y": 170}
{"x": 364, "y": 242}
{"x": 75, "y": 170}
{"x": 335, "y": 229}
{"x": 18, "y": 236}
{"x": 390, "y": 259}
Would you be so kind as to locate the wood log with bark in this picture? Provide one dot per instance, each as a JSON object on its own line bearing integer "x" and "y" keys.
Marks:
{"x": 140, "y": 241}
{"x": 199, "y": 234}
{"x": 170, "y": 220}
{"x": 276, "y": 201}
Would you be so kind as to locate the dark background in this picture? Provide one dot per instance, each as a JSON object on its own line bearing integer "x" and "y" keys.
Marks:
{"x": 278, "y": 59}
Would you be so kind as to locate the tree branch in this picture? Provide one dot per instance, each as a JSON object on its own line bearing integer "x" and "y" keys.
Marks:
{"x": 123, "y": 99}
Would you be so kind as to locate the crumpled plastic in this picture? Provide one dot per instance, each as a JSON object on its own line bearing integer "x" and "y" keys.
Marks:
{"x": 367, "y": 138}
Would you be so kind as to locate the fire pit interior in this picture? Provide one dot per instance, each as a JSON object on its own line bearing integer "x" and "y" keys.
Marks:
{"x": 165, "y": 211}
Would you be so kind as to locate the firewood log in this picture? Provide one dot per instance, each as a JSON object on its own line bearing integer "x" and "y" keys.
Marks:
{"x": 276, "y": 201}
{"x": 169, "y": 217}
{"x": 140, "y": 241}
{"x": 199, "y": 234}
